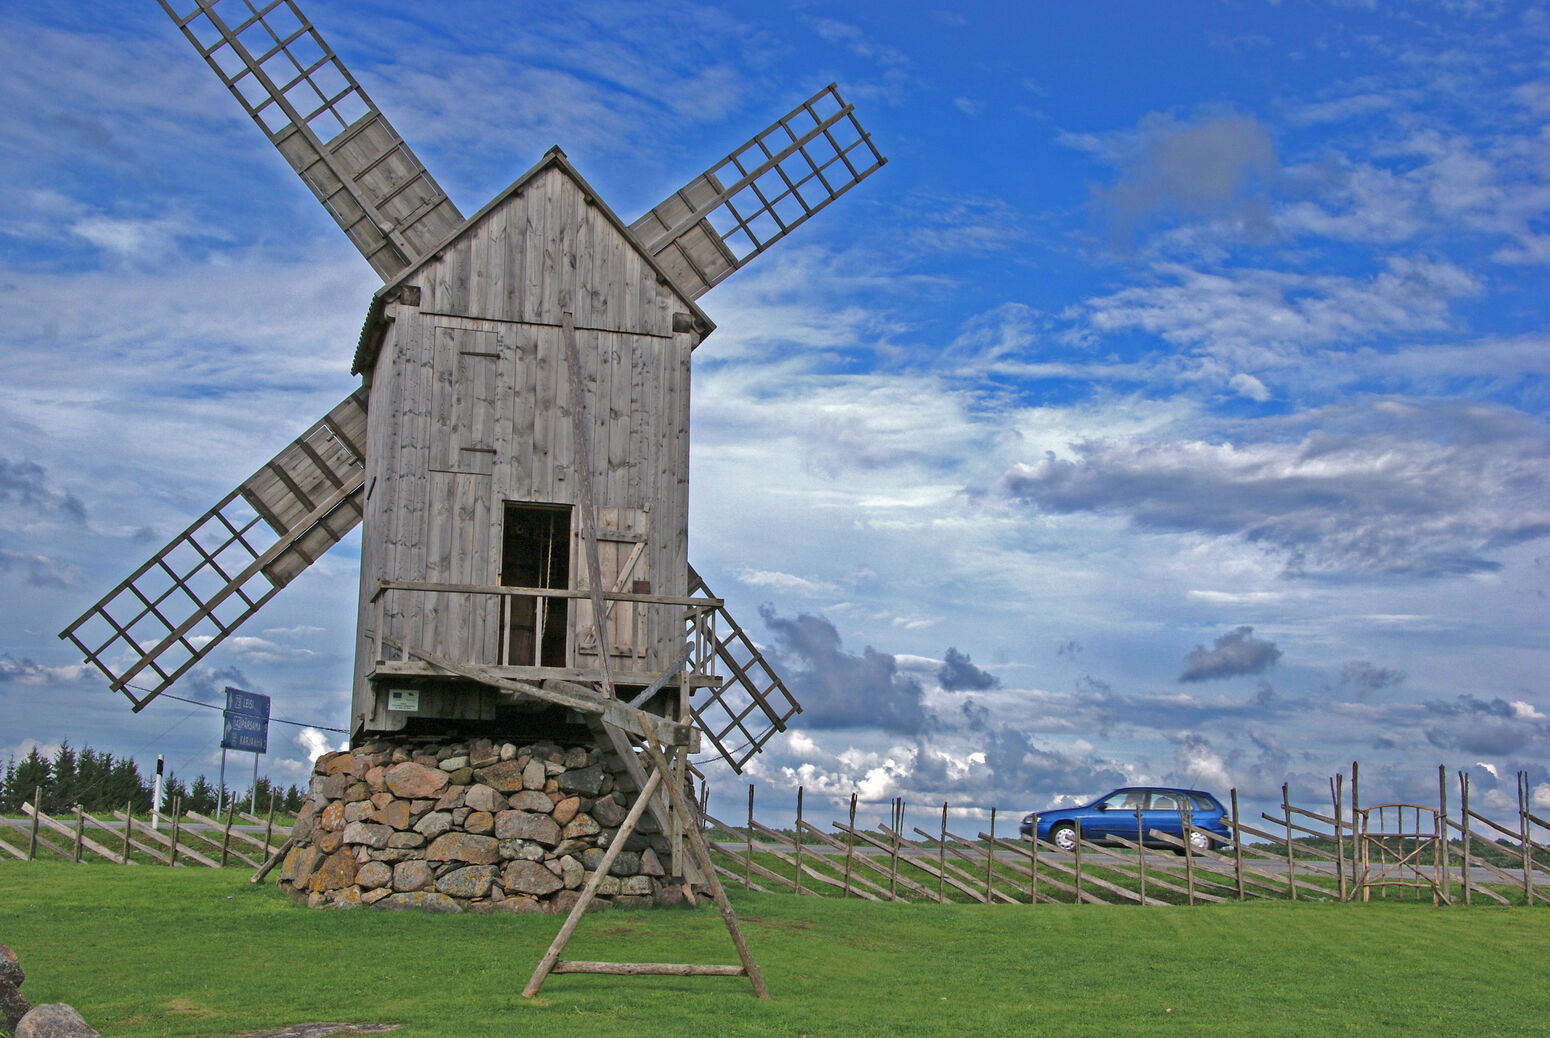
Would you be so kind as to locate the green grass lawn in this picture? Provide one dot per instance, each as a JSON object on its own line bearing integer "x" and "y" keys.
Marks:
{"x": 203, "y": 952}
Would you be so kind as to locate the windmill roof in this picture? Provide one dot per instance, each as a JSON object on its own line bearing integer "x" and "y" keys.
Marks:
{"x": 375, "y": 324}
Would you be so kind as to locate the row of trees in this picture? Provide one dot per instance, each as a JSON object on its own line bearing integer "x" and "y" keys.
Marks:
{"x": 101, "y": 782}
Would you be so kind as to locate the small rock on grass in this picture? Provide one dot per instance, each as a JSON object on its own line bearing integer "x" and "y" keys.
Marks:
{"x": 54, "y": 1020}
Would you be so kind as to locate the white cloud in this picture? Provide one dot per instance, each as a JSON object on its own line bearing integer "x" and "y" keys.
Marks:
{"x": 1249, "y": 386}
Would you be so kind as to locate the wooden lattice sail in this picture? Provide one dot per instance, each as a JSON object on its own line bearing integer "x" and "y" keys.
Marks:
{"x": 189, "y": 596}
{"x": 309, "y": 106}
{"x": 758, "y": 194}
{"x": 751, "y": 704}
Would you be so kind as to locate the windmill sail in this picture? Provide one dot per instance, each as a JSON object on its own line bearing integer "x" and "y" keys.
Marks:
{"x": 749, "y": 708}
{"x": 317, "y": 115}
{"x": 194, "y": 592}
{"x": 755, "y": 196}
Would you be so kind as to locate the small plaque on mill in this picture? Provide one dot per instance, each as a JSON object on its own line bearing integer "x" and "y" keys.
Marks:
{"x": 406, "y": 700}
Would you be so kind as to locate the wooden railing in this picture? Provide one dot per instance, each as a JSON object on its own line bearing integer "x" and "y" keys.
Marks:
{"x": 471, "y": 606}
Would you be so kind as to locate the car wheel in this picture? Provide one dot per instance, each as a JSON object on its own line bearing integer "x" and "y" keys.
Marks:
{"x": 1199, "y": 841}
{"x": 1063, "y": 836}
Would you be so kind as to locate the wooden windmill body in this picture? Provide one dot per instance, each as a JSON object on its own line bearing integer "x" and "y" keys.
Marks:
{"x": 518, "y": 451}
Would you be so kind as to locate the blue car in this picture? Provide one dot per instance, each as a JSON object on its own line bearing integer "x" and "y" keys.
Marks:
{"x": 1115, "y": 814}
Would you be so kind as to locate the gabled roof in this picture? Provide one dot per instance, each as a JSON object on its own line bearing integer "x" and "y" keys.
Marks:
{"x": 375, "y": 325}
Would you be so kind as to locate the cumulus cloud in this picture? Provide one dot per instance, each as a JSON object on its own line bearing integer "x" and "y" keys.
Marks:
{"x": 839, "y": 689}
{"x": 24, "y": 485}
{"x": 1248, "y": 386}
{"x": 1236, "y": 652}
{"x": 1393, "y": 486}
{"x": 25, "y": 671}
{"x": 959, "y": 674}
{"x": 1493, "y": 727}
{"x": 208, "y": 684}
{"x": 1364, "y": 679}
{"x": 40, "y": 570}
{"x": 1221, "y": 167}
{"x": 1199, "y": 764}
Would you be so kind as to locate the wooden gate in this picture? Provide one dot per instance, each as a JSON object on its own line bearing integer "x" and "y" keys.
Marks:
{"x": 1394, "y": 855}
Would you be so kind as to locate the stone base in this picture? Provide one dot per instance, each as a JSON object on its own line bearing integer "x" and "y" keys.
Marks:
{"x": 473, "y": 825}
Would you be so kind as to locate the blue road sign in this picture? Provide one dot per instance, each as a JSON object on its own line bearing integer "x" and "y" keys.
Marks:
{"x": 246, "y": 721}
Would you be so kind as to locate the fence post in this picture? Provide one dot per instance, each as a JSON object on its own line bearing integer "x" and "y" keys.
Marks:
{"x": 1291, "y": 863}
{"x": 990, "y": 859}
{"x": 128, "y": 822}
{"x": 269, "y": 825}
{"x": 1528, "y": 858}
{"x": 1033, "y": 855}
{"x": 893, "y": 858}
{"x": 1077, "y": 854}
{"x": 177, "y": 825}
{"x": 1464, "y": 810}
{"x": 799, "y": 841}
{"x": 941, "y": 854}
{"x": 748, "y": 855}
{"x": 1442, "y": 817}
{"x": 1237, "y": 844}
{"x": 1141, "y": 853}
{"x": 231, "y": 810}
{"x": 37, "y": 808}
{"x": 850, "y": 843}
{"x": 1335, "y": 792}
{"x": 80, "y": 831}
{"x": 1186, "y": 823}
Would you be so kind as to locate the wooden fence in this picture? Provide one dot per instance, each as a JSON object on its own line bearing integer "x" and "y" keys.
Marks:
{"x": 1346, "y": 851}
{"x": 126, "y": 840}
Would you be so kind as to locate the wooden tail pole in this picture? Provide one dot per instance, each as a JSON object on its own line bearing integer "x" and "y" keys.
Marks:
{"x": 701, "y": 854}
{"x": 552, "y": 956}
{"x": 551, "y": 962}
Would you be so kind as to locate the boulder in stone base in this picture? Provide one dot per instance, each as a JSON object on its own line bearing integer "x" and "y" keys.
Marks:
{"x": 13, "y": 1005}
{"x": 11, "y": 967}
{"x": 54, "y": 1020}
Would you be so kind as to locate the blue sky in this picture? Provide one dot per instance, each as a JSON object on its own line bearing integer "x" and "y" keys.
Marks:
{"x": 1172, "y": 406}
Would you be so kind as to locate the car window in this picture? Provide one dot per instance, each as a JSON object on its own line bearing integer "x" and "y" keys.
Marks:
{"x": 1164, "y": 802}
{"x": 1205, "y": 801}
{"x": 1123, "y": 801}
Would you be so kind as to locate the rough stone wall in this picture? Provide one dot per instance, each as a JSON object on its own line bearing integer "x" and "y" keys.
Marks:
{"x": 467, "y": 826}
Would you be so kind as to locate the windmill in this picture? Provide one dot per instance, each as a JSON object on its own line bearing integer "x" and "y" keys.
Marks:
{"x": 518, "y": 450}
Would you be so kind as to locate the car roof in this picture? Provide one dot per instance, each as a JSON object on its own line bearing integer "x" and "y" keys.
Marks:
{"x": 1160, "y": 789}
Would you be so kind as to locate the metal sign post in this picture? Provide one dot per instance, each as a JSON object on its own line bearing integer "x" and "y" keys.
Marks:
{"x": 245, "y": 726}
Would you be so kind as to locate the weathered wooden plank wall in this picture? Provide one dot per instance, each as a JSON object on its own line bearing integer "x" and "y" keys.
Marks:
{"x": 472, "y": 408}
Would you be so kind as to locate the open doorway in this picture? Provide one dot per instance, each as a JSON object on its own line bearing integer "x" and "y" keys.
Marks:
{"x": 535, "y": 552}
